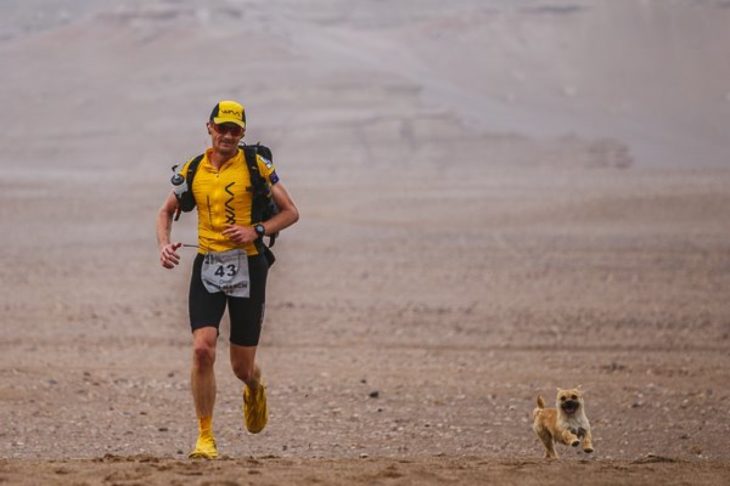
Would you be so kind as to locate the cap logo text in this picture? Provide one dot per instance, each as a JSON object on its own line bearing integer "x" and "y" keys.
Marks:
{"x": 235, "y": 113}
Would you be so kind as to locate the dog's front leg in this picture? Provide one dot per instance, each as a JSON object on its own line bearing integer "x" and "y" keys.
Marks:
{"x": 569, "y": 438}
{"x": 587, "y": 442}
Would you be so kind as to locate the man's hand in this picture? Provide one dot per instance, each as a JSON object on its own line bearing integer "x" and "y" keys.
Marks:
{"x": 168, "y": 257}
{"x": 240, "y": 235}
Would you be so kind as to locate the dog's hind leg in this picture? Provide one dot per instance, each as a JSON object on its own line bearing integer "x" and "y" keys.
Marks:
{"x": 547, "y": 441}
{"x": 550, "y": 452}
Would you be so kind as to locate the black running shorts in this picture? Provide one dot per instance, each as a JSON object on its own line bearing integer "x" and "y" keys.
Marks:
{"x": 246, "y": 313}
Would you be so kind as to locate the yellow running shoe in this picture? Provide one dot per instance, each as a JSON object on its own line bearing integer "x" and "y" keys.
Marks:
{"x": 204, "y": 448}
{"x": 255, "y": 410}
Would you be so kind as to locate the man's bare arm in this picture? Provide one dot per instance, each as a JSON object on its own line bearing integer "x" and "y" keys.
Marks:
{"x": 168, "y": 256}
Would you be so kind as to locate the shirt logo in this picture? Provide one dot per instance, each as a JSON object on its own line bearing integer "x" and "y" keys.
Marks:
{"x": 230, "y": 212}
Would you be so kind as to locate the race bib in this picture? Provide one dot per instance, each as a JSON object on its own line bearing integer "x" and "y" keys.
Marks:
{"x": 226, "y": 272}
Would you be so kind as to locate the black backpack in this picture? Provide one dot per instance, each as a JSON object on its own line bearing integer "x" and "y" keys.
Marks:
{"x": 263, "y": 205}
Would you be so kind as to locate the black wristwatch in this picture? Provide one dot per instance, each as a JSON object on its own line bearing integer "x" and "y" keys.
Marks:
{"x": 260, "y": 230}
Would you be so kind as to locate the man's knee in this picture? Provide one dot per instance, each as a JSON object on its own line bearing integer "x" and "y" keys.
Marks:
{"x": 203, "y": 354}
{"x": 243, "y": 371}
{"x": 204, "y": 340}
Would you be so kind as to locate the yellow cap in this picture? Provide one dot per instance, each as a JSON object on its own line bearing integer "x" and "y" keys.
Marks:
{"x": 228, "y": 111}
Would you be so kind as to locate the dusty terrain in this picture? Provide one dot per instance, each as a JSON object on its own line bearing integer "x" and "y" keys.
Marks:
{"x": 490, "y": 210}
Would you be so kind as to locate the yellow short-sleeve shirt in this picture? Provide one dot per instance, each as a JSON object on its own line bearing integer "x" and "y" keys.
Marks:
{"x": 224, "y": 197}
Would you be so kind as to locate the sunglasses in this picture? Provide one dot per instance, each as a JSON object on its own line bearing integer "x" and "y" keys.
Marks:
{"x": 231, "y": 128}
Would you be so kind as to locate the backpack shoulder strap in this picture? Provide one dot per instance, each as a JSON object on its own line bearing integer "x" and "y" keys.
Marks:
{"x": 261, "y": 197}
{"x": 187, "y": 200}
{"x": 258, "y": 184}
{"x": 192, "y": 169}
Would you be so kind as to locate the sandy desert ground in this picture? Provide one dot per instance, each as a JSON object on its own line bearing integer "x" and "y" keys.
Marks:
{"x": 498, "y": 198}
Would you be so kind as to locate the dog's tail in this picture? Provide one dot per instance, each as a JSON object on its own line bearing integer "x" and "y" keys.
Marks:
{"x": 540, "y": 407}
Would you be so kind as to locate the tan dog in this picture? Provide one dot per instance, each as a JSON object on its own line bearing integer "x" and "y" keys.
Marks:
{"x": 567, "y": 423}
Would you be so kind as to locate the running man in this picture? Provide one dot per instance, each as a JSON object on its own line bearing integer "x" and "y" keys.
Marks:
{"x": 230, "y": 268}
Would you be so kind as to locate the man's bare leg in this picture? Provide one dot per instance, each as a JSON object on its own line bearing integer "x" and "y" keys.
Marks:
{"x": 244, "y": 365}
{"x": 255, "y": 409}
{"x": 202, "y": 380}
